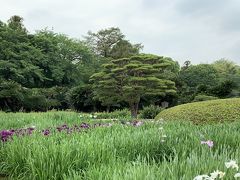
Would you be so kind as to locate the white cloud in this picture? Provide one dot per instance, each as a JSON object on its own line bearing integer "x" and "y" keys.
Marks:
{"x": 200, "y": 31}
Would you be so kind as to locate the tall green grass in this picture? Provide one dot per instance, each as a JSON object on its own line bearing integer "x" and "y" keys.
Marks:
{"x": 117, "y": 152}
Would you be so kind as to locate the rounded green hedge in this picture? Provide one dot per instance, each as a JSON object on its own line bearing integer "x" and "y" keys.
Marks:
{"x": 203, "y": 112}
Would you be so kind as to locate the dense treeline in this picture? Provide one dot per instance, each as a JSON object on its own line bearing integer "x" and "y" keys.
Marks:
{"x": 104, "y": 71}
{"x": 38, "y": 70}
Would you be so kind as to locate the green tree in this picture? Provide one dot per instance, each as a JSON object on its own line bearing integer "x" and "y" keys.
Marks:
{"x": 124, "y": 48}
{"x": 16, "y": 23}
{"x": 62, "y": 56}
{"x": 18, "y": 56}
{"x": 81, "y": 98}
{"x": 195, "y": 75}
{"x": 223, "y": 89}
{"x": 11, "y": 96}
{"x": 103, "y": 41}
{"x": 130, "y": 79}
{"x": 40, "y": 64}
{"x": 194, "y": 79}
{"x": 186, "y": 64}
{"x": 226, "y": 67}
{"x": 228, "y": 71}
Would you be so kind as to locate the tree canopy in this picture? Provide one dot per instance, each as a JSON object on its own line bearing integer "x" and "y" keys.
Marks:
{"x": 111, "y": 43}
{"x": 130, "y": 79}
{"x": 103, "y": 71}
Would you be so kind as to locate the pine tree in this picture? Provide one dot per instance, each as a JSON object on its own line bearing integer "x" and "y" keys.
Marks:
{"x": 130, "y": 79}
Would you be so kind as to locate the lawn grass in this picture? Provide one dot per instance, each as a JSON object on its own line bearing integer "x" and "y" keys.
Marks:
{"x": 117, "y": 152}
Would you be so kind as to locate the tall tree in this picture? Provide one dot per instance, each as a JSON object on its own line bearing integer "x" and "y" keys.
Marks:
{"x": 186, "y": 64}
{"x": 17, "y": 55}
{"x": 16, "y": 23}
{"x": 226, "y": 67}
{"x": 195, "y": 75}
{"x": 130, "y": 79}
{"x": 103, "y": 41}
{"x": 195, "y": 79}
{"x": 63, "y": 57}
{"x": 125, "y": 49}
{"x": 229, "y": 78}
{"x": 227, "y": 70}
{"x": 41, "y": 63}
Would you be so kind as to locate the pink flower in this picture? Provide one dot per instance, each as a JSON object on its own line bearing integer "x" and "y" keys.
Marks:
{"x": 208, "y": 142}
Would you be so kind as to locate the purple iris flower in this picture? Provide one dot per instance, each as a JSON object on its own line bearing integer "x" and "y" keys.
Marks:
{"x": 46, "y": 132}
{"x": 85, "y": 125}
{"x": 5, "y": 135}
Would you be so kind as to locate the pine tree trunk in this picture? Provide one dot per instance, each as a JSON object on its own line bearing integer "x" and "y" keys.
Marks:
{"x": 108, "y": 109}
{"x": 134, "y": 110}
{"x": 94, "y": 108}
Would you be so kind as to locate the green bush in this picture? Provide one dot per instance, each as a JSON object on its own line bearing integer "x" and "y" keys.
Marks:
{"x": 204, "y": 112}
{"x": 202, "y": 97}
{"x": 124, "y": 113}
{"x": 150, "y": 112}
{"x": 11, "y": 96}
{"x": 35, "y": 103}
{"x": 81, "y": 98}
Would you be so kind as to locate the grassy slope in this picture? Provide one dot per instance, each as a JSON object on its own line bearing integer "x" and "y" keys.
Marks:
{"x": 206, "y": 111}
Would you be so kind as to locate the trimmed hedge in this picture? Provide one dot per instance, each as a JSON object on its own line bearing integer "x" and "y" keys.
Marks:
{"x": 204, "y": 112}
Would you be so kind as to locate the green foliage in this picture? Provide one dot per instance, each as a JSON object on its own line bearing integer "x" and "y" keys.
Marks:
{"x": 16, "y": 23}
{"x": 17, "y": 55}
{"x": 103, "y": 41}
{"x": 226, "y": 68}
{"x": 110, "y": 43}
{"x": 11, "y": 96}
{"x": 41, "y": 66}
{"x": 220, "y": 79}
{"x": 192, "y": 79}
{"x": 130, "y": 79}
{"x": 124, "y": 48}
{"x": 223, "y": 89}
{"x": 81, "y": 98}
{"x": 150, "y": 112}
{"x": 51, "y": 98}
{"x": 62, "y": 58}
{"x": 36, "y": 103}
{"x": 186, "y": 65}
{"x": 45, "y": 65}
{"x": 195, "y": 75}
{"x": 204, "y": 112}
{"x": 14, "y": 98}
{"x": 203, "y": 97}
{"x": 117, "y": 114}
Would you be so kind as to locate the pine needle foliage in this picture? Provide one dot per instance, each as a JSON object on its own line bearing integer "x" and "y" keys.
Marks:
{"x": 130, "y": 79}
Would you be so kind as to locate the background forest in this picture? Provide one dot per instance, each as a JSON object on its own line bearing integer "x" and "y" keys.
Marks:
{"x": 103, "y": 71}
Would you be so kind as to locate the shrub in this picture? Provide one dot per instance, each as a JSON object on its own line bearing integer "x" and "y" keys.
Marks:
{"x": 35, "y": 103}
{"x": 11, "y": 96}
{"x": 81, "y": 98}
{"x": 124, "y": 113}
{"x": 223, "y": 89}
{"x": 202, "y": 97}
{"x": 203, "y": 112}
{"x": 150, "y": 112}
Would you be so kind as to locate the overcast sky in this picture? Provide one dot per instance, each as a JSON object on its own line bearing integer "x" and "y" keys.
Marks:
{"x": 197, "y": 30}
